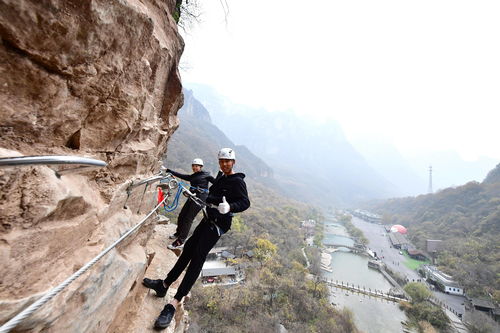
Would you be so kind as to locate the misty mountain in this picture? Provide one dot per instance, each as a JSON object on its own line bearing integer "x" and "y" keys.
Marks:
{"x": 449, "y": 169}
{"x": 299, "y": 150}
{"x": 493, "y": 176}
{"x": 388, "y": 161}
{"x": 198, "y": 137}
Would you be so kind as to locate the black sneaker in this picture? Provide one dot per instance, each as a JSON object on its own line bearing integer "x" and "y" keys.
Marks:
{"x": 173, "y": 236}
{"x": 165, "y": 317}
{"x": 156, "y": 285}
{"x": 177, "y": 244}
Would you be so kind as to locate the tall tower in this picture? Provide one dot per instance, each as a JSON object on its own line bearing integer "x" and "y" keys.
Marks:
{"x": 430, "y": 179}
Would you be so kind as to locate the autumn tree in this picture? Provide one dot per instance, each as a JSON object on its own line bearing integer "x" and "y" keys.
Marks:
{"x": 264, "y": 250}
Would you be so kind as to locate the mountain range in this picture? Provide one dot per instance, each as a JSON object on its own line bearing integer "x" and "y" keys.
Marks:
{"x": 298, "y": 147}
{"x": 308, "y": 161}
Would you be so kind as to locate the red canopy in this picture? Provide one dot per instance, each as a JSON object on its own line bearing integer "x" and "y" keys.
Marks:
{"x": 399, "y": 228}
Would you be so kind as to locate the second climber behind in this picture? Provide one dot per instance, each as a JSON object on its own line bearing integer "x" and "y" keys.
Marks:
{"x": 199, "y": 185}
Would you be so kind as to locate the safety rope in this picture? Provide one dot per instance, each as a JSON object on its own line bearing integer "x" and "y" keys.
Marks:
{"x": 175, "y": 202}
{"x": 200, "y": 189}
{"x": 53, "y": 292}
{"x": 183, "y": 188}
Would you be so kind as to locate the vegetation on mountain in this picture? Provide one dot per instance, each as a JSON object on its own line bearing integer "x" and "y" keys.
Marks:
{"x": 467, "y": 219}
{"x": 493, "y": 176}
{"x": 278, "y": 288}
{"x": 421, "y": 311}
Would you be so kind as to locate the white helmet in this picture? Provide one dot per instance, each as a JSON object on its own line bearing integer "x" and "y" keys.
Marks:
{"x": 226, "y": 154}
{"x": 197, "y": 161}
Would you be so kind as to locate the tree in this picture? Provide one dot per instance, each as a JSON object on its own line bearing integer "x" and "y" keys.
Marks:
{"x": 186, "y": 12}
{"x": 264, "y": 250}
{"x": 418, "y": 291}
{"x": 425, "y": 311}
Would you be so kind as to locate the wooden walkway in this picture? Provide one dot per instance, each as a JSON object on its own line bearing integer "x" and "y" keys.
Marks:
{"x": 363, "y": 290}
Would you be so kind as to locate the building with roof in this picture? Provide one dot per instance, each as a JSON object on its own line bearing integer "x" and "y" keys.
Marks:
{"x": 399, "y": 241}
{"x": 227, "y": 255}
{"x": 442, "y": 280}
{"x": 309, "y": 227}
{"x": 483, "y": 305}
{"x": 434, "y": 245}
{"x": 216, "y": 271}
{"x": 416, "y": 254}
{"x": 367, "y": 216}
{"x": 216, "y": 253}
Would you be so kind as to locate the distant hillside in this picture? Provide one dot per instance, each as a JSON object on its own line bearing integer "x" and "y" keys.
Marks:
{"x": 198, "y": 137}
{"x": 389, "y": 162}
{"x": 467, "y": 219}
{"x": 493, "y": 176}
{"x": 313, "y": 158}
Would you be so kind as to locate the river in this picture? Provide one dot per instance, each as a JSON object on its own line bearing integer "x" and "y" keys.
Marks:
{"x": 371, "y": 315}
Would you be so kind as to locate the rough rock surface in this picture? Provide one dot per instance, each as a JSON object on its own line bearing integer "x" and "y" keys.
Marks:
{"x": 141, "y": 308}
{"x": 91, "y": 78}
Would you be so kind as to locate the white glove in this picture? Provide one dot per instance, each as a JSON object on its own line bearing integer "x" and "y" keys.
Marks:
{"x": 223, "y": 206}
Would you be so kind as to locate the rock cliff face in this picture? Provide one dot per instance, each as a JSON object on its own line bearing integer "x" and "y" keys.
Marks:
{"x": 93, "y": 78}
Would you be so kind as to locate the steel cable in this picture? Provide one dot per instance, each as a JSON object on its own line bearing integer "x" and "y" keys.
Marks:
{"x": 53, "y": 292}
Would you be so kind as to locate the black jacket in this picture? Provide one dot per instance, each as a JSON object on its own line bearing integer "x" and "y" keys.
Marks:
{"x": 198, "y": 180}
{"x": 232, "y": 187}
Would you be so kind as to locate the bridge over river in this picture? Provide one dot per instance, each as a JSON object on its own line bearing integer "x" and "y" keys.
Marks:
{"x": 363, "y": 290}
{"x": 338, "y": 241}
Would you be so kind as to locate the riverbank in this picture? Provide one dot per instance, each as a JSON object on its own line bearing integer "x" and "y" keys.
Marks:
{"x": 326, "y": 260}
{"x": 370, "y": 313}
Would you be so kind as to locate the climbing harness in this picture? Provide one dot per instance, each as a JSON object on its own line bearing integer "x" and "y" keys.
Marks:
{"x": 203, "y": 206}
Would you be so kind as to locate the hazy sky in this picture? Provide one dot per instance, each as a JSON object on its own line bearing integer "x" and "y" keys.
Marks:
{"x": 423, "y": 75}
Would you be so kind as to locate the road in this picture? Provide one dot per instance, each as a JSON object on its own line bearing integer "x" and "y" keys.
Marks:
{"x": 380, "y": 243}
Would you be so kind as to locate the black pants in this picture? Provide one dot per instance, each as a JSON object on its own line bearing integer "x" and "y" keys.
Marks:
{"x": 195, "y": 251}
{"x": 185, "y": 219}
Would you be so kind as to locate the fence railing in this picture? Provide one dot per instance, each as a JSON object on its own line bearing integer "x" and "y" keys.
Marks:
{"x": 85, "y": 164}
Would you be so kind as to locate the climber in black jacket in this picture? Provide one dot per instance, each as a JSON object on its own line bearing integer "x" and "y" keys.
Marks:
{"x": 229, "y": 195}
{"x": 199, "y": 185}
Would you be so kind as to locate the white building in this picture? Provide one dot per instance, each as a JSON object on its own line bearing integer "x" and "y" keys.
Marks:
{"x": 443, "y": 281}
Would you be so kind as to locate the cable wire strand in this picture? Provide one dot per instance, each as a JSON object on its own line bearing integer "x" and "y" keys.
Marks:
{"x": 53, "y": 292}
